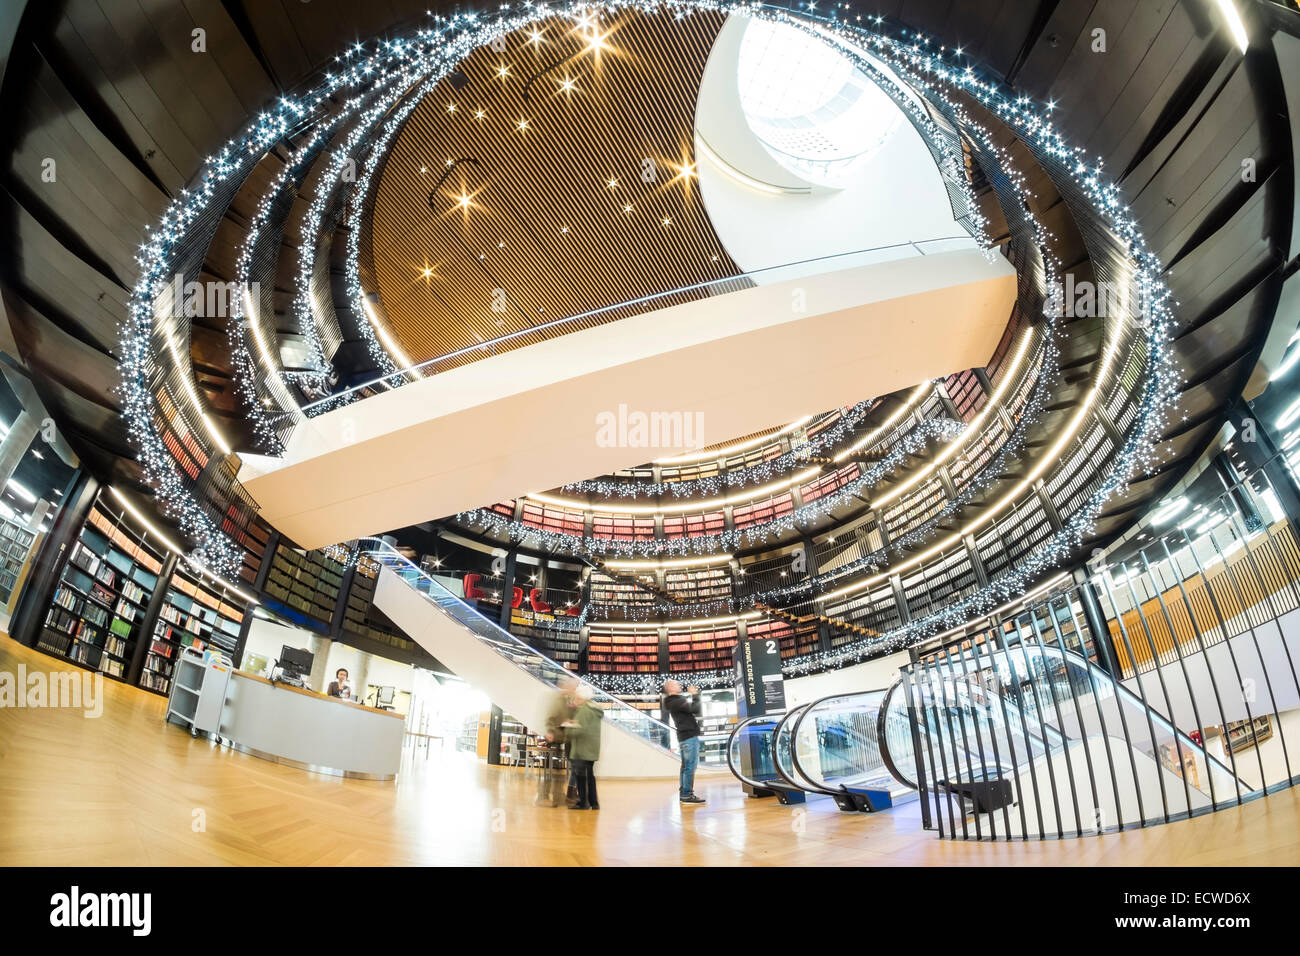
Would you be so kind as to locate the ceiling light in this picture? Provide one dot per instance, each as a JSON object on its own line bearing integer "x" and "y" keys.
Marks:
{"x": 502, "y": 72}
{"x": 479, "y": 114}
{"x": 463, "y": 201}
{"x": 424, "y": 169}
{"x": 21, "y": 491}
{"x": 612, "y": 183}
{"x": 451, "y": 107}
{"x": 535, "y": 37}
{"x": 564, "y": 230}
{"x": 1235, "y": 25}
{"x": 523, "y": 125}
{"x": 567, "y": 85}
{"x": 627, "y": 207}
{"x": 427, "y": 272}
{"x": 667, "y": 220}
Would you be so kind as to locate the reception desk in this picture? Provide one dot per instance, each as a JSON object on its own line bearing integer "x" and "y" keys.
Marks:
{"x": 303, "y": 729}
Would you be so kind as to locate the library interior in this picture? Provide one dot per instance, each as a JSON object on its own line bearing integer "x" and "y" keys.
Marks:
{"x": 650, "y": 433}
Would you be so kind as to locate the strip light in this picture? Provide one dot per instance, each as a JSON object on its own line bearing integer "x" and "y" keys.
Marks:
{"x": 973, "y": 428}
{"x": 707, "y": 455}
{"x": 754, "y": 494}
{"x": 917, "y": 394}
{"x": 171, "y": 545}
{"x": 1235, "y": 25}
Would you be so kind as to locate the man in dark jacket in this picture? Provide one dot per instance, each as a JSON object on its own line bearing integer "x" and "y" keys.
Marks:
{"x": 685, "y": 711}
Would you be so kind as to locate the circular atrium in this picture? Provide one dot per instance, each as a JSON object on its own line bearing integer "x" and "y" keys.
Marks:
{"x": 840, "y": 435}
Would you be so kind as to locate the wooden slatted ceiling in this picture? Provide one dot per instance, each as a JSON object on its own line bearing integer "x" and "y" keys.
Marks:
{"x": 544, "y": 225}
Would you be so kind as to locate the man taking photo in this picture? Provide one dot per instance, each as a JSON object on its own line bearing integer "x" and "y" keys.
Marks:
{"x": 685, "y": 711}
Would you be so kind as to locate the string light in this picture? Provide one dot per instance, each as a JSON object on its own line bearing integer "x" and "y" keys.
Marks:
{"x": 368, "y": 91}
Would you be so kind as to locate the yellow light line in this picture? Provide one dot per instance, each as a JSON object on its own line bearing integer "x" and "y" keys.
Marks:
{"x": 732, "y": 449}
{"x": 755, "y": 494}
{"x": 971, "y": 429}
{"x": 173, "y": 547}
{"x": 917, "y": 394}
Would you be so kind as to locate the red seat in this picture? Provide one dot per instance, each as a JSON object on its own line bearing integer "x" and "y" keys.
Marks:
{"x": 472, "y": 591}
{"x": 516, "y": 598}
{"x": 573, "y": 610}
{"x": 535, "y": 599}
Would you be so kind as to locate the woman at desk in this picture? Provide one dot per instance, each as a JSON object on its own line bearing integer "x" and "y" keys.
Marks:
{"x": 340, "y": 687}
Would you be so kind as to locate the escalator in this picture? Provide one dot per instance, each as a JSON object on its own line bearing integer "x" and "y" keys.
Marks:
{"x": 513, "y": 675}
{"x": 848, "y": 747}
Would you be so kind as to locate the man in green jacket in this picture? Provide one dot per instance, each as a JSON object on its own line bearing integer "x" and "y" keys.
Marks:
{"x": 583, "y": 732}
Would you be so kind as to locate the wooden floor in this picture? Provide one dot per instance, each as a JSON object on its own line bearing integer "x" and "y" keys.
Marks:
{"x": 127, "y": 788}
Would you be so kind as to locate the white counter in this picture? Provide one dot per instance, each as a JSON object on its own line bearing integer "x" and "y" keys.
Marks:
{"x": 303, "y": 729}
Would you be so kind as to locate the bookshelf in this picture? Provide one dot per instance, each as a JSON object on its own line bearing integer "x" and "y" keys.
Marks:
{"x": 623, "y": 652}
{"x": 15, "y": 545}
{"x": 103, "y": 594}
{"x": 195, "y": 612}
{"x": 701, "y": 650}
{"x": 557, "y": 639}
{"x": 605, "y": 590}
{"x": 305, "y": 582}
{"x": 697, "y": 586}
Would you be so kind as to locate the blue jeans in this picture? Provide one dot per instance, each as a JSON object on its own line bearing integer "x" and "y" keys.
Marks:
{"x": 690, "y": 757}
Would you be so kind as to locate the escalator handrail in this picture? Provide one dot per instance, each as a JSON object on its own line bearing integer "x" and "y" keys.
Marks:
{"x": 757, "y": 784}
{"x": 809, "y": 708}
{"x": 388, "y": 552}
{"x": 890, "y": 764}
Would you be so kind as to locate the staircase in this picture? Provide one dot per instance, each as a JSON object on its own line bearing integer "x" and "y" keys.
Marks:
{"x": 835, "y": 623}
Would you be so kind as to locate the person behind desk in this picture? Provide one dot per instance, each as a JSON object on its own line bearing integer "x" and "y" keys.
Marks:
{"x": 339, "y": 687}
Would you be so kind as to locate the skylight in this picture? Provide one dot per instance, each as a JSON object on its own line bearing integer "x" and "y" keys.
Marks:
{"x": 817, "y": 114}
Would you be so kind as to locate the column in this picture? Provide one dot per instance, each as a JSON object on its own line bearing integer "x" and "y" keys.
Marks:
{"x": 47, "y": 564}
{"x": 16, "y": 443}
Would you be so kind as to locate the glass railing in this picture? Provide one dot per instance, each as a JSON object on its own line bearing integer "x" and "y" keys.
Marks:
{"x": 699, "y": 290}
{"x": 511, "y": 648}
{"x": 751, "y": 753}
{"x": 844, "y": 741}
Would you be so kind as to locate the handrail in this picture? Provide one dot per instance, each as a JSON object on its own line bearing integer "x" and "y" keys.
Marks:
{"x": 731, "y": 765}
{"x": 881, "y": 740}
{"x": 399, "y": 377}
{"x": 498, "y": 638}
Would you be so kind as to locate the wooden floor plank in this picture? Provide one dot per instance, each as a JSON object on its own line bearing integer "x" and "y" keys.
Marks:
{"x": 124, "y": 788}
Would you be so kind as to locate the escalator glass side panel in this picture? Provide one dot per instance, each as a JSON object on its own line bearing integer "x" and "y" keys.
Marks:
{"x": 751, "y": 753}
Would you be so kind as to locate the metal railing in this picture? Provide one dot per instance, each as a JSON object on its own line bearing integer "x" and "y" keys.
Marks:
{"x": 1158, "y": 686}
{"x": 648, "y": 303}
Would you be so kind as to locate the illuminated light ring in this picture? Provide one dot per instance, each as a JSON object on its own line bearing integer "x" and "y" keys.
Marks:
{"x": 723, "y": 540}
{"x": 812, "y": 587}
{"x": 738, "y": 478}
{"x": 1160, "y": 382}
{"x": 244, "y": 362}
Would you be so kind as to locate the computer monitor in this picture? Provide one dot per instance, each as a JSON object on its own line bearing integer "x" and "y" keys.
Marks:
{"x": 295, "y": 660}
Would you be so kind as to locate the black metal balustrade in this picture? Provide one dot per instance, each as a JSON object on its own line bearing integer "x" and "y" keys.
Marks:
{"x": 1159, "y": 685}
